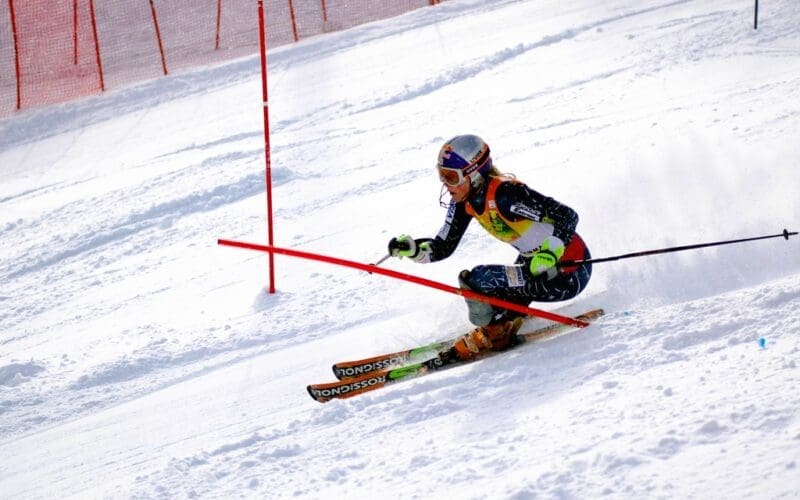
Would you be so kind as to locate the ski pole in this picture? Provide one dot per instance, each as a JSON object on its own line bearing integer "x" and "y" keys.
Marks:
{"x": 383, "y": 259}
{"x": 785, "y": 234}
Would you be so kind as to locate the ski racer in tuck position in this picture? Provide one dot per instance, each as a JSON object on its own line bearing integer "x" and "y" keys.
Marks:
{"x": 539, "y": 227}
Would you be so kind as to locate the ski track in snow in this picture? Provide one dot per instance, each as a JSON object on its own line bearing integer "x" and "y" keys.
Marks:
{"x": 129, "y": 335}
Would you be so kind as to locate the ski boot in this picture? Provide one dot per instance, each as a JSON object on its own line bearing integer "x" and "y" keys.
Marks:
{"x": 483, "y": 338}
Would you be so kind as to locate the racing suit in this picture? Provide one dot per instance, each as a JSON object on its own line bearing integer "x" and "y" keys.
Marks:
{"x": 516, "y": 214}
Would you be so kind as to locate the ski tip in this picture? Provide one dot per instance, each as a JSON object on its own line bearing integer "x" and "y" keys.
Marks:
{"x": 316, "y": 398}
{"x": 344, "y": 372}
{"x": 589, "y": 316}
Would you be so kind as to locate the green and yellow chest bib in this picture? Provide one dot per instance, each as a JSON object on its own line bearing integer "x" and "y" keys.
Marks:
{"x": 524, "y": 234}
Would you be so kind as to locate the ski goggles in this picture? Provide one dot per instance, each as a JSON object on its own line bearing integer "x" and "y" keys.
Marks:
{"x": 455, "y": 176}
{"x": 451, "y": 176}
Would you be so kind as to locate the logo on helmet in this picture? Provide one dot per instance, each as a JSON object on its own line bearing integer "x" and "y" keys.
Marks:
{"x": 445, "y": 154}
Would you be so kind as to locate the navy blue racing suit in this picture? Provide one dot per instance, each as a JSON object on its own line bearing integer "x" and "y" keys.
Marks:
{"x": 513, "y": 204}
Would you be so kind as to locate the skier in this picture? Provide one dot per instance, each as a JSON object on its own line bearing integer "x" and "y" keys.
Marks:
{"x": 540, "y": 228}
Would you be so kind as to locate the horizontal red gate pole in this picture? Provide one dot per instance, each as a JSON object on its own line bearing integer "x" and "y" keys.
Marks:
{"x": 371, "y": 268}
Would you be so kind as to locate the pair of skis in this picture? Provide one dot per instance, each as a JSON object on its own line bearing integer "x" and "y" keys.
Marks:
{"x": 365, "y": 375}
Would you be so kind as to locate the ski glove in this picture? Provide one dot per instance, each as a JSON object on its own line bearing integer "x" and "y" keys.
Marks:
{"x": 406, "y": 246}
{"x": 544, "y": 259}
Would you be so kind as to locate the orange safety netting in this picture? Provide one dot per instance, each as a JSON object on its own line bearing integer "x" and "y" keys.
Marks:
{"x": 56, "y": 50}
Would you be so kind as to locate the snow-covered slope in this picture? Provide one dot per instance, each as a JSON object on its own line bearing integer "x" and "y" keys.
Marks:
{"x": 140, "y": 359}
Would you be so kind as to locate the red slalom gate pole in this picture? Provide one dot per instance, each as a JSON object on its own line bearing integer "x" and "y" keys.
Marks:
{"x": 262, "y": 42}
{"x": 16, "y": 53}
{"x": 158, "y": 37}
{"x": 371, "y": 268}
{"x": 98, "y": 60}
{"x": 219, "y": 17}
{"x": 294, "y": 21}
{"x": 75, "y": 32}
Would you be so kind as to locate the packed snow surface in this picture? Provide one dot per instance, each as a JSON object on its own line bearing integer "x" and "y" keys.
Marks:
{"x": 139, "y": 359}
